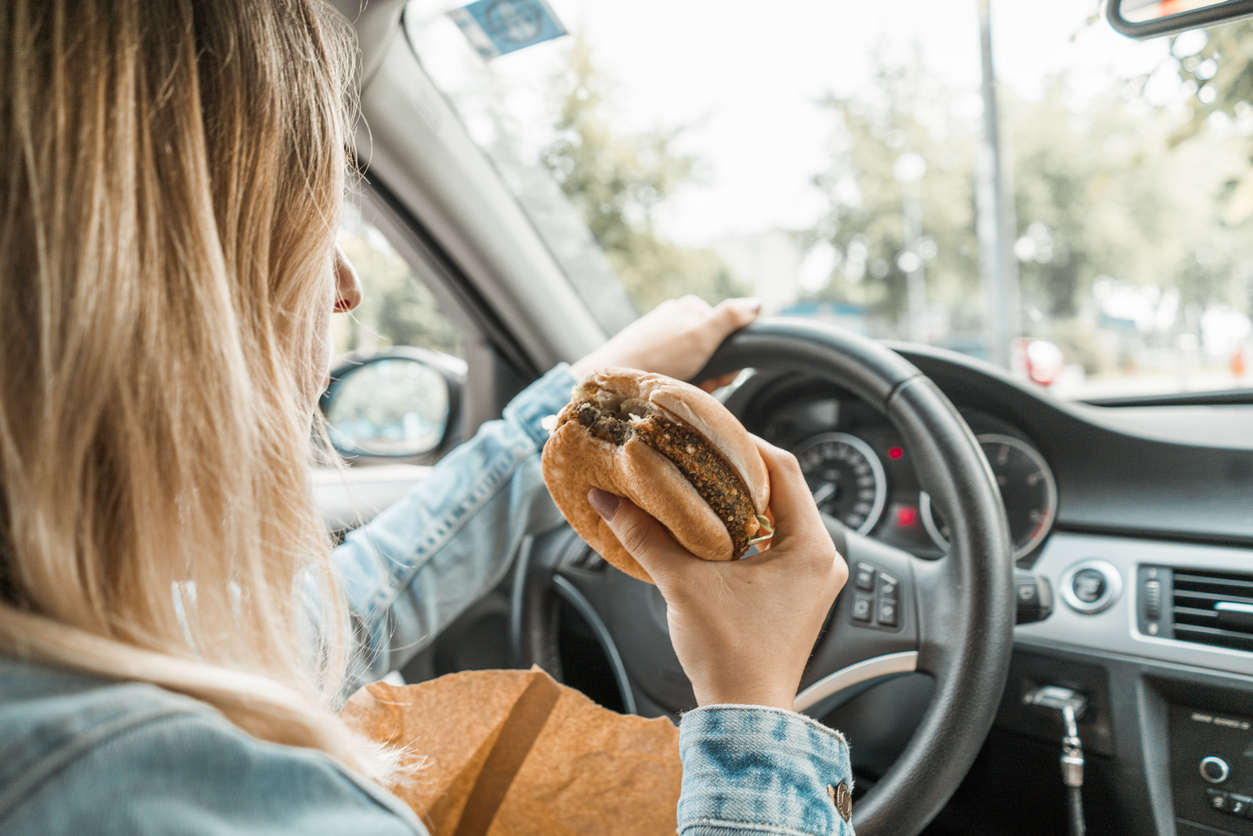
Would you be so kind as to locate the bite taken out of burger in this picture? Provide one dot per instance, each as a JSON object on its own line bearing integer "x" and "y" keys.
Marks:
{"x": 669, "y": 447}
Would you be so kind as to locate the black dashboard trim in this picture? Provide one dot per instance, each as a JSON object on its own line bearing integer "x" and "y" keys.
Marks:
{"x": 1110, "y": 478}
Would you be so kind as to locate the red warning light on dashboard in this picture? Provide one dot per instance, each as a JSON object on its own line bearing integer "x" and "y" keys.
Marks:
{"x": 895, "y": 452}
{"x": 906, "y": 516}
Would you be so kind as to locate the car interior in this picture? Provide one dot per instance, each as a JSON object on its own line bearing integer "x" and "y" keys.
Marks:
{"x": 1050, "y": 600}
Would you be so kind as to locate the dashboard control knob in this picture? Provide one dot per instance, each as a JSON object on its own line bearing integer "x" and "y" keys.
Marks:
{"x": 1091, "y": 586}
{"x": 1214, "y": 769}
{"x": 1088, "y": 585}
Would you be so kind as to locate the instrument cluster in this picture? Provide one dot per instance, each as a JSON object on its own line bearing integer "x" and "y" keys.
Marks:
{"x": 860, "y": 471}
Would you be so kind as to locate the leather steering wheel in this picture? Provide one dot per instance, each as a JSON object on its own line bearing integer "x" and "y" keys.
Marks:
{"x": 954, "y": 616}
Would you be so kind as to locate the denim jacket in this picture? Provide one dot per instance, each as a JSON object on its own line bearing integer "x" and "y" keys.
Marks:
{"x": 80, "y": 754}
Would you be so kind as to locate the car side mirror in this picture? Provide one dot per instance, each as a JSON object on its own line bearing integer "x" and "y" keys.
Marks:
{"x": 1151, "y": 18}
{"x": 401, "y": 404}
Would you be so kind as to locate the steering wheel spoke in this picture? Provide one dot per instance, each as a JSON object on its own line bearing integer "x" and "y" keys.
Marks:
{"x": 872, "y": 632}
{"x": 629, "y": 618}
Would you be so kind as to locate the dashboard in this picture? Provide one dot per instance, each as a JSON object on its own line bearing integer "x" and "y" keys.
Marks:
{"x": 1177, "y": 472}
{"x": 861, "y": 472}
{"x": 1140, "y": 518}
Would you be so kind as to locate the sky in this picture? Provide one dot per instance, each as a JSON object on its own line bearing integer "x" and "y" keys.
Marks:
{"x": 743, "y": 79}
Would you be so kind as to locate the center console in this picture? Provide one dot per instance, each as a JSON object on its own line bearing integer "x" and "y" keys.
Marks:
{"x": 1211, "y": 772}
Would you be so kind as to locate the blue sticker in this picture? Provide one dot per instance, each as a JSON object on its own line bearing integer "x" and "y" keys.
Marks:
{"x": 497, "y": 27}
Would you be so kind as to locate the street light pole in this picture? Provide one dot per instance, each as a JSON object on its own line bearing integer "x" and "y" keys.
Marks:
{"x": 995, "y": 224}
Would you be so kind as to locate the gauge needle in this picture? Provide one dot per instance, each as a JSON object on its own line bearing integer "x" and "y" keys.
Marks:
{"x": 824, "y": 493}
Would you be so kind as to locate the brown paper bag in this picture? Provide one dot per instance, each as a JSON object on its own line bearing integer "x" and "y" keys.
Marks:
{"x": 513, "y": 753}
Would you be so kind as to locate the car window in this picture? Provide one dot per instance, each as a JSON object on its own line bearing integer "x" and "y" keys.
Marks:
{"x": 827, "y": 157}
{"x": 396, "y": 309}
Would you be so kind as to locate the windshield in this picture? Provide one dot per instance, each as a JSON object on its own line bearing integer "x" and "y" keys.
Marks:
{"x": 834, "y": 159}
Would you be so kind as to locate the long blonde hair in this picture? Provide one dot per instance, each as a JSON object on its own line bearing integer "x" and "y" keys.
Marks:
{"x": 171, "y": 185}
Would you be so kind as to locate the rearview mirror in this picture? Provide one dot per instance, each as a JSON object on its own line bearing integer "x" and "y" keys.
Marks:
{"x": 1150, "y": 18}
{"x": 399, "y": 404}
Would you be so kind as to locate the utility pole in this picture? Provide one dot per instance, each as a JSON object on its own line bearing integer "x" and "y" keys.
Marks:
{"x": 996, "y": 225}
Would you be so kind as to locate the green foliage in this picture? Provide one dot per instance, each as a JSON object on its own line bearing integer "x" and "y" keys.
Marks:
{"x": 396, "y": 308}
{"x": 1225, "y": 65}
{"x": 616, "y": 180}
{"x": 1119, "y": 199}
{"x": 1221, "y": 78}
{"x": 1103, "y": 190}
{"x": 904, "y": 109}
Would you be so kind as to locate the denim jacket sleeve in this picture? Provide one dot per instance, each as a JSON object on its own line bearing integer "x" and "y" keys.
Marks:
{"x": 420, "y": 563}
{"x": 753, "y": 770}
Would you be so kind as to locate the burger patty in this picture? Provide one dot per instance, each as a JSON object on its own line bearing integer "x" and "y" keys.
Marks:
{"x": 710, "y": 473}
{"x": 603, "y": 423}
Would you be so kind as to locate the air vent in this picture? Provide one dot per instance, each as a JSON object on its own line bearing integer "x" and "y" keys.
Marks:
{"x": 1213, "y": 608}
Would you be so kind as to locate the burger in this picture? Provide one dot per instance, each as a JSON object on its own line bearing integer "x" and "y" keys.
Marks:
{"x": 669, "y": 447}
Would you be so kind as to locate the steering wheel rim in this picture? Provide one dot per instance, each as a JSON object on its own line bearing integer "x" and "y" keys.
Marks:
{"x": 964, "y": 602}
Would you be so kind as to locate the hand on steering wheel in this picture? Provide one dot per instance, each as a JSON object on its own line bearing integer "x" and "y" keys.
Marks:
{"x": 676, "y": 339}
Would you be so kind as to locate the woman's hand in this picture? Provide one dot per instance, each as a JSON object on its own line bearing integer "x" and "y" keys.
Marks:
{"x": 676, "y": 338}
{"x": 742, "y": 629}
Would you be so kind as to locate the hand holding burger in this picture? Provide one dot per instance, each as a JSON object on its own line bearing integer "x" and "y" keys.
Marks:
{"x": 656, "y": 475}
{"x": 742, "y": 629}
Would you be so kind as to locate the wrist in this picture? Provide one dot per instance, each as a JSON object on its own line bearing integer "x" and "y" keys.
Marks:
{"x": 761, "y": 698}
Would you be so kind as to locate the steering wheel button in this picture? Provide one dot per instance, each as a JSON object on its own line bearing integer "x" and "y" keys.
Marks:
{"x": 1238, "y": 805}
{"x": 865, "y": 577}
{"x": 887, "y": 587}
{"x": 1219, "y": 800}
{"x": 863, "y": 606}
{"x": 887, "y": 613}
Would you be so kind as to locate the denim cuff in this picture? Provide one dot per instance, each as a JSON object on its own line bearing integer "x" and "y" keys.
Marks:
{"x": 752, "y": 769}
{"x": 542, "y": 398}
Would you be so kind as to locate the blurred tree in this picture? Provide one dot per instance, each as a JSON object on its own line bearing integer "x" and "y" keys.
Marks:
{"x": 1216, "y": 66}
{"x": 616, "y": 180}
{"x": 1103, "y": 190}
{"x": 396, "y": 308}
{"x": 904, "y": 109}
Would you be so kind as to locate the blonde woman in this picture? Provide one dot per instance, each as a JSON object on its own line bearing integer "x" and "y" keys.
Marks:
{"x": 175, "y": 630}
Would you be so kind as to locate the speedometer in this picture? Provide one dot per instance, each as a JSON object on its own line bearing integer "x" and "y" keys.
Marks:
{"x": 846, "y": 478}
{"x": 1028, "y": 491}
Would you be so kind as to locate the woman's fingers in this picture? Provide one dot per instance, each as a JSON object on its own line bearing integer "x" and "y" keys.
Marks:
{"x": 647, "y": 540}
{"x": 715, "y": 383}
{"x": 733, "y": 314}
{"x": 742, "y": 629}
{"x": 788, "y": 489}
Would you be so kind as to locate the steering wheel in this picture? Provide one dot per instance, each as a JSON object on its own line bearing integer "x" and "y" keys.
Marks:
{"x": 950, "y": 618}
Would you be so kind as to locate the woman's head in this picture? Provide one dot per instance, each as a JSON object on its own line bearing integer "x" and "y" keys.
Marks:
{"x": 171, "y": 187}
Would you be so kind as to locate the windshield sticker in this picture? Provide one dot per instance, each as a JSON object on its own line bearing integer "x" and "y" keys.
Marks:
{"x": 498, "y": 27}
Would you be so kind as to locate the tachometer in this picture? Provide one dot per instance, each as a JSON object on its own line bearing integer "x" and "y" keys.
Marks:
{"x": 1027, "y": 489}
{"x": 846, "y": 478}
